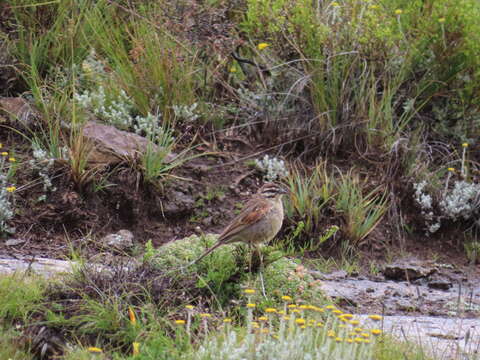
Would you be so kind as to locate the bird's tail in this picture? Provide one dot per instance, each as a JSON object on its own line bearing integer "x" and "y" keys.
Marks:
{"x": 207, "y": 252}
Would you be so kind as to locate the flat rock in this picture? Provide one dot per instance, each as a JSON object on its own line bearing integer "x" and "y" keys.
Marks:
{"x": 121, "y": 240}
{"x": 393, "y": 297}
{"x": 40, "y": 266}
{"x": 442, "y": 338}
{"x": 439, "y": 282}
{"x": 407, "y": 271}
{"x": 178, "y": 203}
{"x": 18, "y": 112}
{"x": 14, "y": 242}
{"x": 111, "y": 145}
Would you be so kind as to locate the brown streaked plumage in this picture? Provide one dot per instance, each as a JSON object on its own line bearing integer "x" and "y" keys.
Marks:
{"x": 259, "y": 221}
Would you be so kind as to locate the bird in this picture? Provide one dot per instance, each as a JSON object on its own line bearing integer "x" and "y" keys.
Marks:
{"x": 258, "y": 222}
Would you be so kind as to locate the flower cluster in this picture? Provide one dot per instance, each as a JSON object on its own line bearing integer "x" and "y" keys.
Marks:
{"x": 462, "y": 201}
{"x": 297, "y": 331}
{"x": 6, "y": 190}
{"x": 42, "y": 164}
{"x": 116, "y": 111}
{"x": 185, "y": 112}
{"x": 91, "y": 64}
{"x": 272, "y": 167}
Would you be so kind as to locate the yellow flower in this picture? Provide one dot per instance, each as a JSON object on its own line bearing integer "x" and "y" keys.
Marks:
{"x": 281, "y": 312}
{"x": 354, "y": 322}
{"x": 451, "y": 169}
{"x": 374, "y": 7}
{"x": 1, "y": 145}
{"x": 262, "y": 46}
{"x": 270, "y": 310}
{"x": 131, "y": 315}
{"x": 331, "y": 333}
{"x": 336, "y": 311}
{"x": 465, "y": 145}
{"x": 189, "y": 307}
{"x": 11, "y": 159}
{"x": 300, "y": 321}
{"x": 346, "y": 316}
{"x": 255, "y": 325}
{"x": 365, "y": 335}
{"x": 136, "y": 348}
{"x": 338, "y": 339}
{"x": 233, "y": 69}
{"x": 86, "y": 67}
{"x": 180, "y": 322}
{"x": 205, "y": 315}
{"x": 330, "y": 307}
{"x": 250, "y": 305}
{"x": 441, "y": 20}
{"x": 357, "y": 329}
{"x": 4, "y": 153}
{"x": 320, "y": 324}
{"x": 94, "y": 349}
{"x": 10, "y": 189}
{"x": 303, "y": 326}
{"x": 398, "y": 12}
{"x": 262, "y": 318}
{"x": 286, "y": 298}
{"x": 249, "y": 291}
{"x": 376, "y": 317}
{"x": 295, "y": 311}
{"x": 376, "y": 332}
{"x": 286, "y": 318}
{"x": 227, "y": 320}
{"x": 366, "y": 341}
{"x": 292, "y": 306}
{"x": 303, "y": 307}
{"x": 358, "y": 340}
{"x": 335, "y": 4}
{"x": 349, "y": 340}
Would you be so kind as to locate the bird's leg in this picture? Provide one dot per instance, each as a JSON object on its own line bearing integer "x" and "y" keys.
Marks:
{"x": 262, "y": 283}
{"x": 250, "y": 260}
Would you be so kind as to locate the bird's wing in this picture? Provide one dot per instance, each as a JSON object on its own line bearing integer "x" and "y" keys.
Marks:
{"x": 253, "y": 212}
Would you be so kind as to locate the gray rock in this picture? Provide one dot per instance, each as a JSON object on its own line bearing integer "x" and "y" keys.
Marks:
{"x": 41, "y": 266}
{"x": 122, "y": 240}
{"x": 441, "y": 283}
{"x": 178, "y": 203}
{"x": 395, "y": 296}
{"x": 441, "y": 338}
{"x": 336, "y": 275}
{"x": 14, "y": 242}
{"x": 407, "y": 271}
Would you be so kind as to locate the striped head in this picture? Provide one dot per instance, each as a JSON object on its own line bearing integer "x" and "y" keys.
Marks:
{"x": 271, "y": 190}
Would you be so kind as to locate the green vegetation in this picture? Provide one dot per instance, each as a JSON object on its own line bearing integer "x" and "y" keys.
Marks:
{"x": 377, "y": 101}
{"x": 119, "y": 319}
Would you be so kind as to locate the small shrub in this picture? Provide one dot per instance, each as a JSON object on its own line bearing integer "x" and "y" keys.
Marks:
{"x": 456, "y": 198}
{"x": 272, "y": 168}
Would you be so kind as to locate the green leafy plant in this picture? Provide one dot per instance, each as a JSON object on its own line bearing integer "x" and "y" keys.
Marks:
{"x": 361, "y": 213}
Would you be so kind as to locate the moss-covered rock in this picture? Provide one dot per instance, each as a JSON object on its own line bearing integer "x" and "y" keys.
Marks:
{"x": 226, "y": 273}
